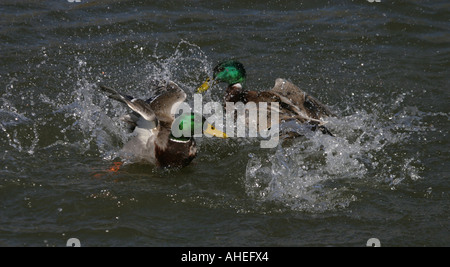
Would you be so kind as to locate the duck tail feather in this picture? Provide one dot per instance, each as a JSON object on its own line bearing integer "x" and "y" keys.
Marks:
{"x": 323, "y": 129}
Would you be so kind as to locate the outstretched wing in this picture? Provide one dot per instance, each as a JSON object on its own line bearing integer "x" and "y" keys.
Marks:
{"x": 164, "y": 104}
{"x": 287, "y": 89}
{"x": 301, "y": 99}
{"x": 137, "y": 105}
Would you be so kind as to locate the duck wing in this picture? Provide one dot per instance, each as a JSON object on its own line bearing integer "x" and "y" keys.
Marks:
{"x": 161, "y": 107}
{"x": 167, "y": 151}
{"x": 164, "y": 104}
{"x": 301, "y": 99}
{"x": 137, "y": 105}
{"x": 289, "y": 90}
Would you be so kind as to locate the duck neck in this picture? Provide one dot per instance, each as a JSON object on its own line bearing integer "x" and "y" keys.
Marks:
{"x": 234, "y": 93}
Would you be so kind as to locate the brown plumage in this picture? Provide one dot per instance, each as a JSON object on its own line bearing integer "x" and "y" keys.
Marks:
{"x": 151, "y": 123}
{"x": 294, "y": 103}
{"x": 173, "y": 153}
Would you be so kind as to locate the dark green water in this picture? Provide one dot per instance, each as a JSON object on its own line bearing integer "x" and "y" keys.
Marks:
{"x": 383, "y": 68}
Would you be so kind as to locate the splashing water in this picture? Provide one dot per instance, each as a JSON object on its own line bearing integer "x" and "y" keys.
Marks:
{"x": 315, "y": 172}
{"x": 97, "y": 117}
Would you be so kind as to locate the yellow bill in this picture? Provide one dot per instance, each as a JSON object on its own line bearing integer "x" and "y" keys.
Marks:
{"x": 205, "y": 86}
{"x": 212, "y": 131}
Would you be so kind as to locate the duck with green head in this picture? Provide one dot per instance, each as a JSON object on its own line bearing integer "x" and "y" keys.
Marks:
{"x": 152, "y": 123}
{"x": 294, "y": 103}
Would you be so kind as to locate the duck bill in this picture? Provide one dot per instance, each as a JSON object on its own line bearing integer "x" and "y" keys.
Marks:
{"x": 212, "y": 131}
{"x": 205, "y": 86}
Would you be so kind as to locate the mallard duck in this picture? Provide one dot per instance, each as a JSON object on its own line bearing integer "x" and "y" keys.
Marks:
{"x": 151, "y": 123}
{"x": 294, "y": 104}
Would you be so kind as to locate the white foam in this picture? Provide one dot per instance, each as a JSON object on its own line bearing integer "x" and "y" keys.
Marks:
{"x": 311, "y": 173}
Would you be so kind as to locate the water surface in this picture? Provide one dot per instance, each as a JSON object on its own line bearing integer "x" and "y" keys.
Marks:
{"x": 383, "y": 68}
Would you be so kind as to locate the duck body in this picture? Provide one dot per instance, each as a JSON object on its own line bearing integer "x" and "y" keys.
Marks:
{"x": 294, "y": 103}
{"x": 174, "y": 153}
{"x": 292, "y": 100}
{"x": 154, "y": 145}
{"x": 151, "y": 123}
